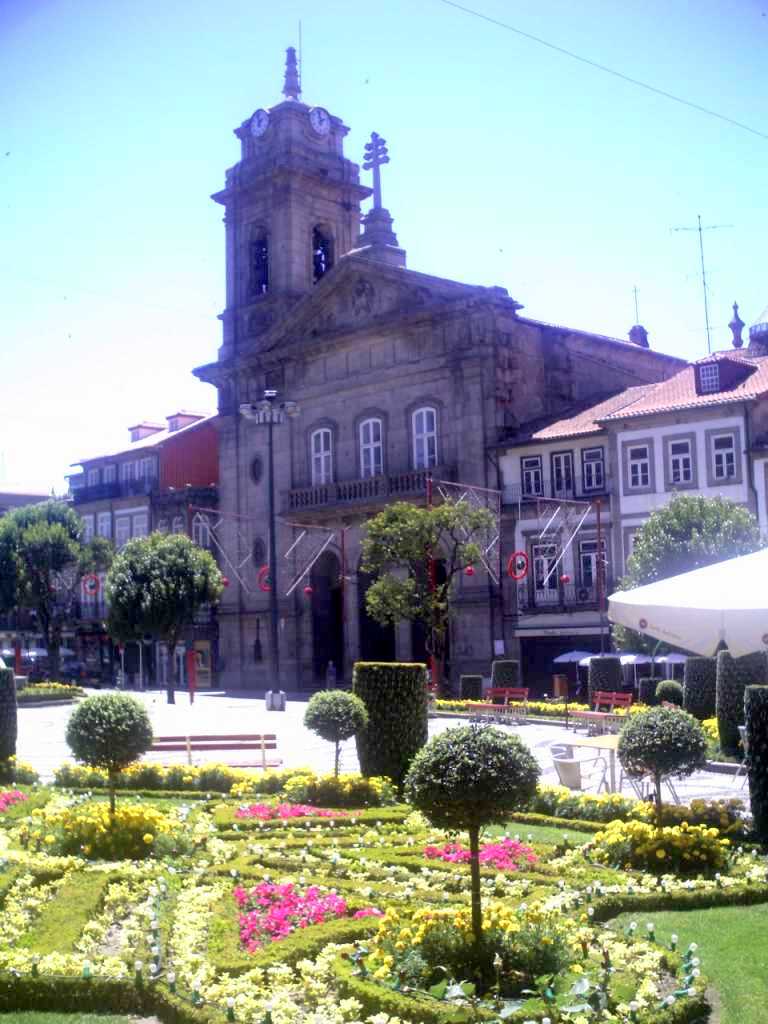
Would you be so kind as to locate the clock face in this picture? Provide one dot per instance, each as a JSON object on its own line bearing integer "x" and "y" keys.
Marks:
{"x": 259, "y": 123}
{"x": 320, "y": 120}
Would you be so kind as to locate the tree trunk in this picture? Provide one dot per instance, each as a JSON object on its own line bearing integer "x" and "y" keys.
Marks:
{"x": 336, "y": 760}
{"x": 171, "y": 684}
{"x": 112, "y": 787}
{"x": 474, "y": 867}
{"x": 54, "y": 658}
{"x": 657, "y": 782}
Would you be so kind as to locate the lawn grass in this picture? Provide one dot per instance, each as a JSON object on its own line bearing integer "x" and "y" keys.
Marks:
{"x": 541, "y": 833}
{"x": 733, "y": 947}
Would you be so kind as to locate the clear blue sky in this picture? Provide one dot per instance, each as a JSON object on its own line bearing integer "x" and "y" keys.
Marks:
{"x": 511, "y": 165}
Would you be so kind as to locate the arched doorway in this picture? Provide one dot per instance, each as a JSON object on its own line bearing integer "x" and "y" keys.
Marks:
{"x": 377, "y": 642}
{"x": 327, "y": 617}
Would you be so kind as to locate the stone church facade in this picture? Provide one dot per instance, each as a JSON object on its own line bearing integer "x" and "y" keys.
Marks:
{"x": 396, "y": 373}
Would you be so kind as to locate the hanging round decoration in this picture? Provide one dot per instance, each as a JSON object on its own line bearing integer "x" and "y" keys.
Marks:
{"x": 265, "y": 583}
{"x": 517, "y": 566}
{"x": 91, "y": 584}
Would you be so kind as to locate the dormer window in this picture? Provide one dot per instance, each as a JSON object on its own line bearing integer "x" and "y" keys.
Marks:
{"x": 709, "y": 378}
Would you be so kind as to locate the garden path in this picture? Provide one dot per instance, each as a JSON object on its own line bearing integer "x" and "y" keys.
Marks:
{"x": 41, "y": 736}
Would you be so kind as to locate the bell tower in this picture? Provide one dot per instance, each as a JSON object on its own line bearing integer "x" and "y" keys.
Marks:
{"x": 292, "y": 209}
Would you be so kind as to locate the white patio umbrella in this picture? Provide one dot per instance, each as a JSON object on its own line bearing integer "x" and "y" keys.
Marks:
{"x": 634, "y": 659}
{"x": 672, "y": 659}
{"x": 571, "y": 656}
{"x": 726, "y": 602}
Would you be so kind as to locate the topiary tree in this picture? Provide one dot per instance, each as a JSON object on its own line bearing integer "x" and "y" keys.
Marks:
{"x": 156, "y": 585}
{"x": 671, "y": 691}
{"x": 733, "y": 676}
{"x": 395, "y": 697}
{"x": 756, "y": 712}
{"x": 469, "y": 777}
{"x": 646, "y": 690}
{"x": 604, "y": 674}
{"x": 109, "y": 731}
{"x": 505, "y": 673}
{"x": 699, "y": 687}
{"x": 471, "y": 687}
{"x": 661, "y": 743}
{"x": 335, "y": 716}
{"x": 8, "y": 715}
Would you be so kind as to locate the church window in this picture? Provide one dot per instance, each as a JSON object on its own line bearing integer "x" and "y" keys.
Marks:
{"x": 371, "y": 448}
{"x": 258, "y": 265}
{"x": 179, "y": 525}
{"x": 322, "y": 456}
{"x": 424, "y": 438}
{"x": 201, "y": 530}
{"x": 322, "y": 253}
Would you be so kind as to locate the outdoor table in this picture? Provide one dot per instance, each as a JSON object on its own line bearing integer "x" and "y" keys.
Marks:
{"x": 609, "y": 743}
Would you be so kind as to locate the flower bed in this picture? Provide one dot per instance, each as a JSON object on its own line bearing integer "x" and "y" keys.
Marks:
{"x": 504, "y": 855}
{"x": 9, "y": 798}
{"x": 35, "y": 693}
{"x": 161, "y": 934}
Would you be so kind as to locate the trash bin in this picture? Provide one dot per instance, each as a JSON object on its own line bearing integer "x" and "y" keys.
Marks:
{"x": 275, "y": 700}
{"x": 560, "y": 686}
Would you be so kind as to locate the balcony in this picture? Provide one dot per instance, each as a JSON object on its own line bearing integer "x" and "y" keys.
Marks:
{"x": 114, "y": 489}
{"x": 574, "y": 489}
{"x": 564, "y": 597}
{"x": 372, "y": 490}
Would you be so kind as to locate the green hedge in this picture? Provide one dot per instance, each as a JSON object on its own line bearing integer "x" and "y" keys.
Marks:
{"x": 604, "y": 674}
{"x": 505, "y": 673}
{"x": 471, "y": 687}
{"x": 646, "y": 690}
{"x": 734, "y": 675}
{"x": 396, "y": 698}
{"x": 8, "y": 717}
{"x": 669, "y": 691}
{"x": 699, "y": 687}
{"x": 756, "y": 712}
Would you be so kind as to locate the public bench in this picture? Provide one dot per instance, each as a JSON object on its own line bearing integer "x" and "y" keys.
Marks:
{"x": 505, "y": 702}
{"x": 262, "y": 743}
{"x": 601, "y": 719}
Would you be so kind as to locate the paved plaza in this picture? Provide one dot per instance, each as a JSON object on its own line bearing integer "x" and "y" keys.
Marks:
{"x": 41, "y": 737}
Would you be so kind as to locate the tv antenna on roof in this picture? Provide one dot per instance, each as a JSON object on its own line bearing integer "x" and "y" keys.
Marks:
{"x": 700, "y": 229}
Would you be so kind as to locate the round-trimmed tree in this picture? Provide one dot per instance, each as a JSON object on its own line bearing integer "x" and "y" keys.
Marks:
{"x": 336, "y": 716}
{"x": 109, "y": 731}
{"x": 671, "y": 691}
{"x": 469, "y": 777}
{"x": 659, "y": 743}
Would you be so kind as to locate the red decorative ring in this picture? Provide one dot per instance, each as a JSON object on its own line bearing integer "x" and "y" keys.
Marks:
{"x": 517, "y": 566}
{"x": 264, "y": 581}
{"x": 91, "y": 583}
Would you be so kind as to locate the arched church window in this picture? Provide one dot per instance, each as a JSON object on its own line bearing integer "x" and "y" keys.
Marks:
{"x": 322, "y": 253}
{"x": 371, "y": 448}
{"x": 424, "y": 438}
{"x": 179, "y": 525}
{"x": 201, "y": 530}
{"x": 258, "y": 263}
{"x": 322, "y": 456}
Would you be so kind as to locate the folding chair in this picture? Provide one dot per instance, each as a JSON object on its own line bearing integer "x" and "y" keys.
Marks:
{"x": 581, "y": 774}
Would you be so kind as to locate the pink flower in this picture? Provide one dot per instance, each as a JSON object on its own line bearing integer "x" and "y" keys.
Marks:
{"x": 505, "y": 855}
{"x": 268, "y": 812}
{"x": 273, "y": 911}
{"x": 368, "y": 912}
{"x": 9, "y": 798}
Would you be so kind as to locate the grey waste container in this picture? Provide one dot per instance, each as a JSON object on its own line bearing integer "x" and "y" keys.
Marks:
{"x": 275, "y": 700}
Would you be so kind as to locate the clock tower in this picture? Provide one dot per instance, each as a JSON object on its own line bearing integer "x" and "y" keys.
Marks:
{"x": 292, "y": 208}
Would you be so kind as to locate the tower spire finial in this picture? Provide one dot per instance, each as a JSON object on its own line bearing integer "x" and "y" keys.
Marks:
{"x": 737, "y": 326}
{"x": 291, "y": 84}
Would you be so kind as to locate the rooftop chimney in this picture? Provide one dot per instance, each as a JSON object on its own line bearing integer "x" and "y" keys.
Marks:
{"x": 639, "y": 336}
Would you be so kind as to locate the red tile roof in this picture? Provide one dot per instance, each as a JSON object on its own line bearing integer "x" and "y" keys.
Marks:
{"x": 586, "y": 420}
{"x": 679, "y": 392}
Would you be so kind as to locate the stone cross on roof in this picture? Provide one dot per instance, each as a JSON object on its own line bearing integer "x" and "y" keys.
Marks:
{"x": 375, "y": 155}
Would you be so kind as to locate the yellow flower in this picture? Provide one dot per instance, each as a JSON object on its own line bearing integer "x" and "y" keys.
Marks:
{"x": 660, "y": 854}
{"x": 50, "y": 840}
{"x": 148, "y": 838}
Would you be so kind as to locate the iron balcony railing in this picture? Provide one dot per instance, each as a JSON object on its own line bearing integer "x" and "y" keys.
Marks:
{"x": 574, "y": 488}
{"x": 362, "y": 491}
{"x": 562, "y": 596}
{"x": 114, "y": 489}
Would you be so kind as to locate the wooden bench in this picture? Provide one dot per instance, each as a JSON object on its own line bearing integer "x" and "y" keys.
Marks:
{"x": 213, "y": 744}
{"x": 613, "y": 700}
{"x": 501, "y": 706}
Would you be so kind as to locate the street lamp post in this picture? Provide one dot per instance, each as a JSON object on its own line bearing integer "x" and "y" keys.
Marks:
{"x": 271, "y": 412}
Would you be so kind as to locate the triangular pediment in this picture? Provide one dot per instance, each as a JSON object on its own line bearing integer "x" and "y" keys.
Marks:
{"x": 360, "y": 293}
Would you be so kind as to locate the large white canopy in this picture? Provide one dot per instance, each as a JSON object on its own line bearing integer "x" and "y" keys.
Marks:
{"x": 697, "y": 610}
{"x": 571, "y": 656}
